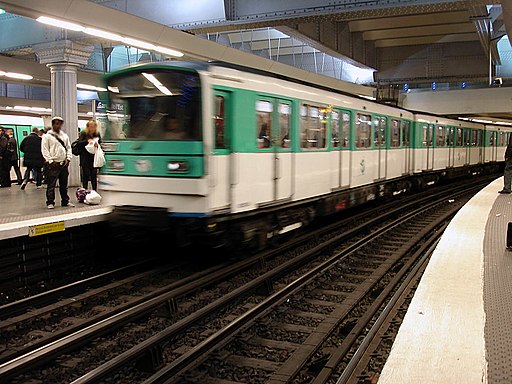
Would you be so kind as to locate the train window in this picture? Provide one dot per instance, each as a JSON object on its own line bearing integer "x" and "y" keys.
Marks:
{"x": 395, "y": 133}
{"x": 449, "y": 136}
{"x": 460, "y": 138}
{"x": 440, "y": 136}
{"x": 340, "y": 129}
{"x": 406, "y": 133}
{"x": 380, "y": 132}
{"x": 428, "y": 133}
{"x": 501, "y": 139}
{"x": 335, "y": 129}
{"x": 313, "y": 126}
{"x": 264, "y": 121}
{"x": 363, "y": 131}
{"x": 476, "y": 138}
{"x": 219, "y": 122}
{"x": 467, "y": 137}
{"x": 491, "y": 138}
{"x": 345, "y": 129}
{"x": 154, "y": 105}
{"x": 284, "y": 125}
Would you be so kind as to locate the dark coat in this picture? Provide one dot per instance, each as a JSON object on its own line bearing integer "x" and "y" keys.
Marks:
{"x": 86, "y": 158}
{"x": 31, "y": 147}
{"x": 12, "y": 148}
{"x": 4, "y": 141}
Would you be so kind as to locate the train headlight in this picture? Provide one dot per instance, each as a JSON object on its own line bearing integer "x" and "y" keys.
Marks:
{"x": 115, "y": 165}
{"x": 177, "y": 166}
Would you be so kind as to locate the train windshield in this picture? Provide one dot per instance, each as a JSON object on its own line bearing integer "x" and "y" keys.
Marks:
{"x": 154, "y": 105}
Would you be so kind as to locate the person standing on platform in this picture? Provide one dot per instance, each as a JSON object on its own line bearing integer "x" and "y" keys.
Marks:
{"x": 56, "y": 150}
{"x": 89, "y": 172}
{"x": 12, "y": 148}
{"x": 5, "y": 159}
{"x": 33, "y": 158}
{"x": 507, "y": 174}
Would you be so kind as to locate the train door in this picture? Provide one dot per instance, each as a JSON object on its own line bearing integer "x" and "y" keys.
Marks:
{"x": 221, "y": 169}
{"x": 467, "y": 145}
{"x": 450, "y": 142}
{"x": 406, "y": 145}
{"x": 493, "y": 144}
{"x": 283, "y": 156}
{"x": 380, "y": 135}
{"x": 480, "y": 142}
{"x": 428, "y": 145}
{"x": 340, "y": 145}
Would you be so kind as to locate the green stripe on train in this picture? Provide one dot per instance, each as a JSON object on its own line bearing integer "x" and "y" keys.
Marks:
{"x": 141, "y": 147}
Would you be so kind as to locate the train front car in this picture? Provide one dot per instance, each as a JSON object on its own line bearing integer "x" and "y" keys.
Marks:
{"x": 153, "y": 143}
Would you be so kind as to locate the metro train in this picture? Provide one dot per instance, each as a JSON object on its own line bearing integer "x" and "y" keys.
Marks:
{"x": 223, "y": 154}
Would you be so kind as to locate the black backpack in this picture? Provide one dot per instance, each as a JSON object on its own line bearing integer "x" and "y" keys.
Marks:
{"x": 75, "y": 149}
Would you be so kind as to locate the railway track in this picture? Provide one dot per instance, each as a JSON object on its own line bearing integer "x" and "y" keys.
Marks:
{"x": 219, "y": 297}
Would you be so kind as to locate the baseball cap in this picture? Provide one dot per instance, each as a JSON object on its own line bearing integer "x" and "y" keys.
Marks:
{"x": 57, "y": 118}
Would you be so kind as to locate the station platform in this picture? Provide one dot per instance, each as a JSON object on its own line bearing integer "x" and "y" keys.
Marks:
{"x": 24, "y": 213}
{"x": 458, "y": 328}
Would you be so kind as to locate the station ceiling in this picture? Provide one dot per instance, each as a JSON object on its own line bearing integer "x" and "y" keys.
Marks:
{"x": 382, "y": 41}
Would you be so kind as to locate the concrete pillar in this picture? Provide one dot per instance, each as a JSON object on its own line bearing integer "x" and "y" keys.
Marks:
{"x": 63, "y": 58}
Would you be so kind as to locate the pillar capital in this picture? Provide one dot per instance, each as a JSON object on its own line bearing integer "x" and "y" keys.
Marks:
{"x": 63, "y": 52}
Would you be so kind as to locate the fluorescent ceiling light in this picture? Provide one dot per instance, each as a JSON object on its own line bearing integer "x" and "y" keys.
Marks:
{"x": 60, "y": 23}
{"x": 91, "y": 87}
{"x": 20, "y": 107}
{"x": 139, "y": 44}
{"x": 482, "y": 121}
{"x": 113, "y": 89}
{"x": 170, "y": 52}
{"x": 503, "y": 122}
{"x": 103, "y": 34}
{"x": 157, "y": 83}
{"x": 367, "y": 97}
{"x": 14, "y": 75}
{"x": 20, "y": 76}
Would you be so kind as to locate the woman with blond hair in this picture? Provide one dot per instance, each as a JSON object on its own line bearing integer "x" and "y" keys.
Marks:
{"x": 88, "y": 171}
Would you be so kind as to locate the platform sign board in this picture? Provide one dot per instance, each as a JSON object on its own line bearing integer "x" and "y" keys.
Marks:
{"x": 44, "y": 229}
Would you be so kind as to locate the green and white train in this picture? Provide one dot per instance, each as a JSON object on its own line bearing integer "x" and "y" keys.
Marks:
{"x": 214, "y": 152}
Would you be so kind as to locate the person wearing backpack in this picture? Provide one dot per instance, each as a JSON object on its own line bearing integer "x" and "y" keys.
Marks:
{"x": 32, "y": 158}
{"x": 89, "y": 135}
{"x": 56, "y": 150}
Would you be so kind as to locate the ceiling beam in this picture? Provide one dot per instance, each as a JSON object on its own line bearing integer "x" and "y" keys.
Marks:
{"x": 444, "y": 29}
{"x": 426, "y": 40}
{"x": 409, "y": 21}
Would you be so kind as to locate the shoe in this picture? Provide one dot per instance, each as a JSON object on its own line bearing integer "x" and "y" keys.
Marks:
{"x": 50, "y": 206}
{"x": 504, "y": 191}
{"x": 23, "y": 186}
{"x": 39, "y": 187}
{"x": 68, "y": 205}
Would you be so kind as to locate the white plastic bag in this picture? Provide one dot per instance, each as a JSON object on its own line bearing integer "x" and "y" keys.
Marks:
{"x": 92, "y": 198}
{"x": 90, "y": 147}
{"x": 99, "y": 158}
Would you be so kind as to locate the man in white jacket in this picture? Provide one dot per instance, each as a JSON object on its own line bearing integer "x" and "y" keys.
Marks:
{"x": 56, "y": 150}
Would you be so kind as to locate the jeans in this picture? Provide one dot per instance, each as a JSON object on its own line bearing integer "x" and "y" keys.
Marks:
{"x": 507, "y": 175}
{"x": 38, "y": 175}
{"x": 56, "y": 172}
